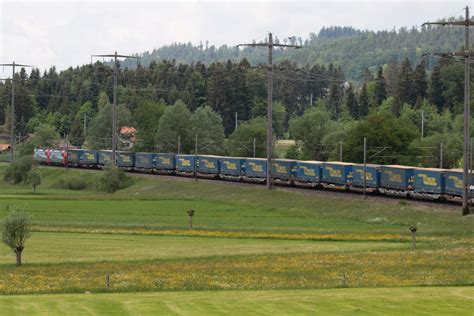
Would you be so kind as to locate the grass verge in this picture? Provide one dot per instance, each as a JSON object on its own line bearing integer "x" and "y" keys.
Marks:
{"x": 386, "y": 301}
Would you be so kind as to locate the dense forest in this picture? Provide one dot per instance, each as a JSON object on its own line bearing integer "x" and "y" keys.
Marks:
{"x": 315, "y": 102}
{"x": 352, "y": 50}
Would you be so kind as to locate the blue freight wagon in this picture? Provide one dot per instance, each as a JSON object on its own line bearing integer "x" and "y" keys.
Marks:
{"x": 398, "y": 178}
{"x": 308, "y": 171}
{"x": 453, "y": 179}
{"x": 429, "y": 180}
{"x": 186, "y": 163}
{"x": 256, "y": 168}
{"x": 82, "y": 157}
{"x": 208, "y": 164}
{"x": 232, "y": 166}
{"x": 145, "y": 161}
{"x": 74, "y": 156}
{"x": 125, "y": 159}
{"x": 338, "y": 173}
{"x": 89, "y": 157}
{"x": 165, "y": 163}
{"x": 105, "y": 157}
{"x": 372, "y": 175}
{"x": 283, "y": 169}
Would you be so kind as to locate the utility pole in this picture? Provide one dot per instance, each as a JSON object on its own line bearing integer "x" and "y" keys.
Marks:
{"x": 236, "y": 120}
{"x": 270, "y": 45}
{"x": 67, "y": 152}
{"x": 466, "y": 54}
{"x": 114, "y": 106}
{"x": 12, "y": 108}
{"x": 422, "y": 123}
{"x": 365, "y": 166}
{"x": 469, "y": 182}
{"x": 85, "y": 124}
{"x": 195, "y": 157}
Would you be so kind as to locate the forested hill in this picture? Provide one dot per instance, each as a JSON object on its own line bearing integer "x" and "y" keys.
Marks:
{"x": 351, "y": 49}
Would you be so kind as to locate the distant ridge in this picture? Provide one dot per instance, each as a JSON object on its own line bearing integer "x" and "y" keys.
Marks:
{"x": 347, "y": 47}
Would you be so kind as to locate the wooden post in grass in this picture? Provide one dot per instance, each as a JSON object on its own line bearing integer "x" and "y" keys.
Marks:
{"x": 413, "y": 230}
{"x": 107, "y": 280}
{"x": 190, "y": 218}
{"x": 344, "y": 280}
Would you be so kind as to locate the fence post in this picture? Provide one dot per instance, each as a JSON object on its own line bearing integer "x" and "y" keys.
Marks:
{"x": 190, "y": 218}
{"x": 107, "y": 280}
{"x": 413, "y": 230}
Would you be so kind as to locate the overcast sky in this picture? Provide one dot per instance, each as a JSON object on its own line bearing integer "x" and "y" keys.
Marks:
{"x": 66, "y": 33}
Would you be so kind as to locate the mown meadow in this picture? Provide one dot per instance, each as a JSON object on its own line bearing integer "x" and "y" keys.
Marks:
{"x": 263, "y": 244}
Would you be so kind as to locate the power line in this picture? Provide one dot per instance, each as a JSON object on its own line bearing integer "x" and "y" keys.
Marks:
{"x": 12, "y": 108}
{"x": 467, "y": 55}
{"x": 114, "y": 107}
{"x": 270, "y": 45}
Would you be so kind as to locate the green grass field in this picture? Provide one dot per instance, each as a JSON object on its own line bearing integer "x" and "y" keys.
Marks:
{"x": 386, "y": 301}
{"x": 286, "y": 251}
{"x": 73, "y": 247}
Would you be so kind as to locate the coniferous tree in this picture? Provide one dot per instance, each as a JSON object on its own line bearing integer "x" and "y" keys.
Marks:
{"x": 77, "y": 133}
{"x": 380, "y": 93}
{"x": 436, "y": 89}
{"x": 363, "y": 108}
{"x": 333, "y": 102}
{"x": 351, "y": 102}
{"x": 367, "y": 75}
{"x": 403, "y": 89}
{"x": 420, "y": 84}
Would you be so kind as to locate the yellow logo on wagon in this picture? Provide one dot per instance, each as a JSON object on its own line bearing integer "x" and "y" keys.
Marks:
{"x": 209, "y": 164}
{"x": 431, "y": 181}
{"x": 185, "y": 162}
{"x": 280, "y": 168}
{"x": 334, "y": 172}
{"x": 394, "y": 177}
{"x": 308, "y": 172}
{"x": 255, "y": 167}
{"x": 165, "y": 160}
{"x": 230, "y": 165}
{"x": 457, "y": 181}
{"x": 368, "y": 175}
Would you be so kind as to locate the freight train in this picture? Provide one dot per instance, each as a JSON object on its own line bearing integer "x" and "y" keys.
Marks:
{"x": 395, "y": 180}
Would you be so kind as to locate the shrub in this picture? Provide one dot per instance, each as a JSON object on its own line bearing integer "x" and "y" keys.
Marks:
{"x": 17, "y": 171}
{"x": 113, "y": 179}
{"x": 72, "y": 182}
{"x": 293, "y": 152}
{"x": 34, "y": 179}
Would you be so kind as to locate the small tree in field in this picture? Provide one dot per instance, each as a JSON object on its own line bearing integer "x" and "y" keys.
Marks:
{"x": 113, "y": 179}
{"x": 34, "y": 179}
{"x": 15, "y": 232}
